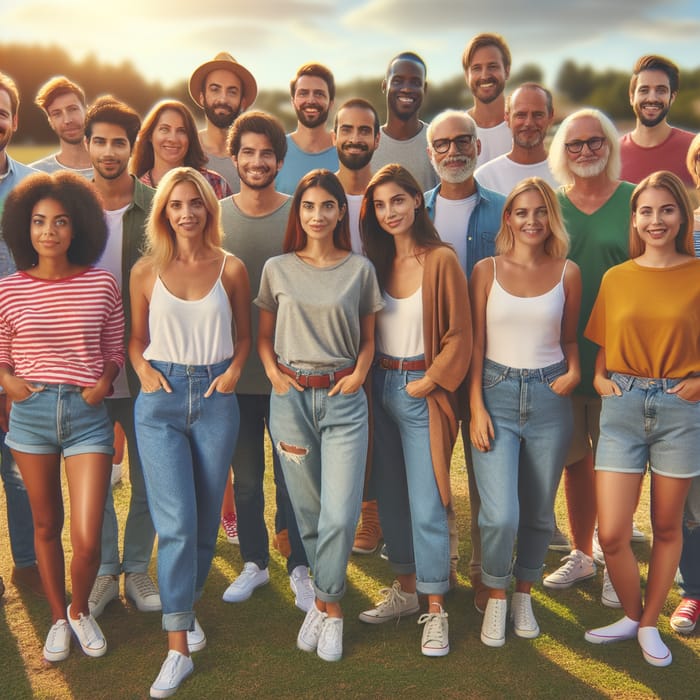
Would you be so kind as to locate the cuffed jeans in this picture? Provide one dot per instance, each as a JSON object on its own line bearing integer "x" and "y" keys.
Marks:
{"x": 19, "y": 513}
{"x": 139, "y": 533}
{"x": 518, "y": 477}
{"x": 689, "y": 567}
{"x": 413, "y": 518}
{"x": 248, "y": 473}
{"x": 186, "y": 443}
{"x": 325, "y": 478}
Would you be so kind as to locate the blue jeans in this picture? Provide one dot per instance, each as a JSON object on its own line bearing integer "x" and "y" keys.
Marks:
{"x": 413, "y": 518}
{"x": 19, "y": 512}
{"x": 689, "y": 568}
{"x": 518, "y": 477}
{"x": 248, "y": 472}
{"x": 139, "y": 533}
{"x": 325, "y": 480}
{"x": 186, "y": 443}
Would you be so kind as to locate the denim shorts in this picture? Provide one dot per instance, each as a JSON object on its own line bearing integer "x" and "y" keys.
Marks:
{"x": 58, "y": 420}
{"x": 647, "y": 424}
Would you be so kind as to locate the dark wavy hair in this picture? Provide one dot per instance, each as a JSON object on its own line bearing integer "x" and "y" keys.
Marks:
{"x": 258, "y": 123}
{"x": 83, "y": 207}
{"x": 378, "y": 245}
{"x": 295, "y": 236}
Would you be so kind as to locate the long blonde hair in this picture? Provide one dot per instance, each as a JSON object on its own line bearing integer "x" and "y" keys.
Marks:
{"x": 557, "y": 243}
{"x": 161, "y": 245}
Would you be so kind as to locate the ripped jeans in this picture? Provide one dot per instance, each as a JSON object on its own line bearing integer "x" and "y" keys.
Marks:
{"x": 689, "y": 567}
{"x": 322, "y": 445}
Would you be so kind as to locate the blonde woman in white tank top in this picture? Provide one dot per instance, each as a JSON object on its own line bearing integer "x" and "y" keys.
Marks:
{"x": 525, "y": 364}
{"x": 190, "y": 336}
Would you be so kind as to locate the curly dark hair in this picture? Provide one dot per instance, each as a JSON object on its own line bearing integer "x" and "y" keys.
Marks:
{"x": 83, "y": 207}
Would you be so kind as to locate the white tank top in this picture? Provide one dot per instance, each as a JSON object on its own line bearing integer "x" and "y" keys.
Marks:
{"x": 400, "y": 325}
{"x": 524, "y": 332}
{"x": 196, "y": 332}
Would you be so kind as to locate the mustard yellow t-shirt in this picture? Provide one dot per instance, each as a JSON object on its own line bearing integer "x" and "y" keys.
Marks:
{"x": 648, "y": 319}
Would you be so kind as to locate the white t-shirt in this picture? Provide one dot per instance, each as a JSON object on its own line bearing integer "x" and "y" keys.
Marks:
{"x": 495, "y": 141}
{"x": 502, "y": 174}
{"x": 354, "y": 204}
{"x": 400, "y": 325}
{"x": 451, "y": 221}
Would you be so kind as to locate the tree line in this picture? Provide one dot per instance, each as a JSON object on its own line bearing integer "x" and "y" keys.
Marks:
{"x": 30, "y": 66}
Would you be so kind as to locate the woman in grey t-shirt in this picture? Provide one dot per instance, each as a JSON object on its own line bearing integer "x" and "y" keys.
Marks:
{"x": 316, "y": 340}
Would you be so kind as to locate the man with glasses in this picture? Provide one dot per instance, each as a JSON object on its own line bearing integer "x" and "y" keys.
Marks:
{"x": 585, "y": 159}
{"x": 529, "y": 113}
{"x": 468, "y": 216}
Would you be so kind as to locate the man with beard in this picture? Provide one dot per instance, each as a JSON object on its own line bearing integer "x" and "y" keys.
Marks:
{"x": 654, "y": 144}
{"x": 223, "y": 88}
{"x": 486, "y": 64}
{"x": 254, "y": 222}
{"x": 110, "y": 132}
{"x": 585, "y": 159}
{"x": 355, "y": 136}
{"x": 468, "y": 216}
{"x": 310, "y": 146}
{"x": 25, "y": 573}
{"x": 404, "y": 138}
{"x": 64, "y": 104}
{"x": 529, "y": 113}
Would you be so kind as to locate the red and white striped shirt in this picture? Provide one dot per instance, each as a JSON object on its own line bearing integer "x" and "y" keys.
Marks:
{"x": 61, "y": 331}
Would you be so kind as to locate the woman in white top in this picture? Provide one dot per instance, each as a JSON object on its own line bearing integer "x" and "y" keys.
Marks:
{"x": 526, "y": 303}
{"x": 189, "y": 301}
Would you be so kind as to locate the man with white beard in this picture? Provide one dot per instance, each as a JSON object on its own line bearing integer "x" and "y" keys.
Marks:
{"x": 585, "y": 158}
{"x": 467, "y": 216}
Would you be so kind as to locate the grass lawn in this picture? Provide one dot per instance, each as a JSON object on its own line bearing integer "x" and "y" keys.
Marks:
{"x": 251, "y": 649}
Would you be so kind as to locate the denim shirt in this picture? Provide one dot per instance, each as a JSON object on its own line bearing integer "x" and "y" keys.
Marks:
{"x": 483, "y": 225}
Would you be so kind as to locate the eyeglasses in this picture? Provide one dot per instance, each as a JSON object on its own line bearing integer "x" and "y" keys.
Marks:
{"x": 462, "y": 142}
{"x": 595, "y": 143}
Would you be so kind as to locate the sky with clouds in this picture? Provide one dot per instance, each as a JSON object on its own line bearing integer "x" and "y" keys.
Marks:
{"x": 166, "y": 39}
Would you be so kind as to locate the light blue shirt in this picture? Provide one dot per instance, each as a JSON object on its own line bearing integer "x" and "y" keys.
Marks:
{"x": 297, "y": 163}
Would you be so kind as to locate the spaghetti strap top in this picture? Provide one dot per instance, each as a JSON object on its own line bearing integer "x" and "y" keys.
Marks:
{"x": 190, "y": 332}
{"x": 524, "y": 332}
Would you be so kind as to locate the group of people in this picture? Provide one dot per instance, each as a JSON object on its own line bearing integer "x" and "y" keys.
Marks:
{"x": 387, "y": 300}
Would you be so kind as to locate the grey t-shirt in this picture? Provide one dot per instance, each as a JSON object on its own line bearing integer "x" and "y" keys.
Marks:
{"x": 318, "y": 309}
{"x": 254, "y": 239}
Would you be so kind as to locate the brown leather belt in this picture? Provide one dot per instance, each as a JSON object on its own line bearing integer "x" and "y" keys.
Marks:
{"x": 384, "y": 362}
{"x": 316, "y": 381}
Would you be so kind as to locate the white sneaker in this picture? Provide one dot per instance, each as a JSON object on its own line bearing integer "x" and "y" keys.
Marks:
{"x": 104, "y": 590}
{"x": 116, "y": 476}
{"x": 330, "y": 641}
{"x": 248, "y": 580}
{"x": 57, "y": 646}
{"x": 302, "y": 587}
{"x": 608, "y": 597}
{"x": 577, "y": 567}
{"x": 493, "y": 626}
{"x": 140, "y": 589}
{"x": 174, "y": 670}
{"x": 598, "y": 554}
{"x": 435, "y": 640}
{"x": 310, "y": 630}
{"x": 89, "y": 634}
{"x": 524, "y": 622}
{"x": 196, "y": 639}
{"x": 394, "y": 605}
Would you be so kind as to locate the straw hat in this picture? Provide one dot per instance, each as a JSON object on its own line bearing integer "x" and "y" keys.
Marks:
{"x": 224, "y": 61}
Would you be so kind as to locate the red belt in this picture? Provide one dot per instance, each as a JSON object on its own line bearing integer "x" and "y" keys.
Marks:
{"x": 316, "y": 381}
{"x": 384, "y": 362}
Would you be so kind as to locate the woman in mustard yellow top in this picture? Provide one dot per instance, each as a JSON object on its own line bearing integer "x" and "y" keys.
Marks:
{"x": 646, "y": 321}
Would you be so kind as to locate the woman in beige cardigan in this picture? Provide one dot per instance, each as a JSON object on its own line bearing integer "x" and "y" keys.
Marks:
{"x": 423, "y": 341}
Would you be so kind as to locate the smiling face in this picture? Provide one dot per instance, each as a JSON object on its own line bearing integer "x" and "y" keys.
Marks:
{"x": 587, "y": 163}
{"x": 256, "y": 161}
{"x": 354, "y": 137}
{"x": 222, "y": 97}
{"x": 652, "y": 97}
{"x": 185, "y": 211}
{"x": 528, "y": 219}
{"x": 395, "y": 208}
{"x": 169, "y": 139}
{"x": 529, "y": 117}
{"x": 109, "y": 150}
{"x": 319, "y": 213}
{"x": 486, "y": 74}
{"x": 458, "y": 163}
{"x": 8, "y": 121}
{"x": 657, "y": 218}
{"x": 50, "y": 229}
{"x": 311, "y": 101}
{"x": 405, "y": 88}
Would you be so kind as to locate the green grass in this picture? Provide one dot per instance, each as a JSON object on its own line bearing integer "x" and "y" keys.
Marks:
{"x": 251, "y": 646}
